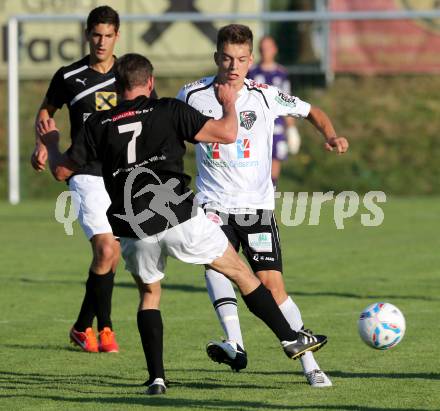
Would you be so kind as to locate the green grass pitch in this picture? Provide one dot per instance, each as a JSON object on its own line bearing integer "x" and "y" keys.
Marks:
{"x": 332, "y": 274}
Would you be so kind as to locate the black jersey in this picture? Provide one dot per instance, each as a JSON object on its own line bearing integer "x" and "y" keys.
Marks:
{"x": 84, "y": 91}
{"x": 140, "y": 144}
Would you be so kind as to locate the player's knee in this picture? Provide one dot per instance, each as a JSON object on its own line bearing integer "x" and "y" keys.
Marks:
{"x": 105, "y": 252}
{"x": 270, "y": 285}
{"x": 149, "y": 296}
{"x": 240, "y": 270}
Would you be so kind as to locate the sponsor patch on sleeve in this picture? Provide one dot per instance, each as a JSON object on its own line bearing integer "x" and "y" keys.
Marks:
{"x": 285, "y": 100}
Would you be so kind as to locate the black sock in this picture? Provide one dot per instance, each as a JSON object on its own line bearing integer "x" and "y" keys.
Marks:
{"x": 261, "y": 303}
{"x": 102, "y": 298}
{"x": 151, "y": 331}
{"x": 87, "y": 312}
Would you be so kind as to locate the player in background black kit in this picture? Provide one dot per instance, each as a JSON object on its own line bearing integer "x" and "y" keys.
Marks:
{"x": 88, "y": 86}
{"x": 141, "y": 145}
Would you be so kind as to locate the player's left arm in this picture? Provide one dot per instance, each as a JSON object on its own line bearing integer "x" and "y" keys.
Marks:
{"x": 282, "y": 104}
{"x": 323, "y": 124}
{"x": 61, "y": 166}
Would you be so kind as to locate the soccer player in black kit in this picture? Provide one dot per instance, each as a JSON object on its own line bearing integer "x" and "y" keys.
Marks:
{"x": 141, "y": 146}
{"x": 87, "y": 86}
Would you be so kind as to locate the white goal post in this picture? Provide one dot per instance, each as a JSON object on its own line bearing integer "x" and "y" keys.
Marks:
{"x": 320, "y": 15}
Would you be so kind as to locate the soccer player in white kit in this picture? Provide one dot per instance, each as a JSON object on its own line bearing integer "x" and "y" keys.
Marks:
{"x": 234, "y": 185}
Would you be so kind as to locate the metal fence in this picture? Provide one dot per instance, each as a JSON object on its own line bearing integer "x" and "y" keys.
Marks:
{"x": 321, "y": 15}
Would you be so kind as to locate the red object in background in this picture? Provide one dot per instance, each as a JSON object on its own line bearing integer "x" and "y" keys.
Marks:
{"x": 386, "y": 46}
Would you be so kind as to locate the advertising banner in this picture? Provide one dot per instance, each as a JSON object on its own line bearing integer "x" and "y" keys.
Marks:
{"x": 180, "y": 48}
{"x": 389, "y": 46}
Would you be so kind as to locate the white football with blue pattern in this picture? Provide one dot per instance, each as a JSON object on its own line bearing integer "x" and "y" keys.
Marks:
{"x": 382, "y": 326}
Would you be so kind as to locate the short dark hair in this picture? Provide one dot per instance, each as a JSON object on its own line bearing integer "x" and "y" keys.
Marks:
{"x": 102, "y": 15}
{"x": 235, "y": 34}
{"x": 132, "y": 70}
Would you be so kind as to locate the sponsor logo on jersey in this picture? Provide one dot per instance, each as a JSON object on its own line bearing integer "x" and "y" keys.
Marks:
{"x": 258, "y": 257}
{"x": 260, "y": 242}
{"x": 253, "y": 83}
{"x": 82, "y": 81}
{"x": 213, "y": 151}
{"x": 105, "y": 100}
{"x": 230, "y": 163}
{"x": 194, "y": 83}
{"x": 247, "y": 119}
{"x": 130, "y": 113}
{"x": 125, "y": 114}
{"x": 243, "y": 148}
{"x": 285, "y": 100}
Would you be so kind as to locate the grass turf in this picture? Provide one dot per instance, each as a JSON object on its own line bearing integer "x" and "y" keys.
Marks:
{"x": 332, "y": 274}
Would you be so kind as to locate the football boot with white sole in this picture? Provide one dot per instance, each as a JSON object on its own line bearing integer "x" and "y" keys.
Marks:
{"x": 306, "y": 341}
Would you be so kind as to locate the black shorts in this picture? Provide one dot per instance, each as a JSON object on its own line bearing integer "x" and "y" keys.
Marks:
{"x": 256, "y": 234}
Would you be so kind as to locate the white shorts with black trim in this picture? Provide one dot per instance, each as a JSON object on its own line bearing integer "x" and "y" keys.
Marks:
{"x": 196, "y": 241}
{"x": 93, "y": 204}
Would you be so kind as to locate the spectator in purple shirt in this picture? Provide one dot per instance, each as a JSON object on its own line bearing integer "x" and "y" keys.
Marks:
{"x": 286, "y": 138}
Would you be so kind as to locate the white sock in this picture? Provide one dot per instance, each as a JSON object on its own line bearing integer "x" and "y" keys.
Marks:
{"x": 223, "y": 298}
{"x": 293, "y": 316}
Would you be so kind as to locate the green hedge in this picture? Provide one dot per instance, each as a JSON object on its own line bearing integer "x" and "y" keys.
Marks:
{"x": 393, "y": 126}
{"x": 392, "y": 123}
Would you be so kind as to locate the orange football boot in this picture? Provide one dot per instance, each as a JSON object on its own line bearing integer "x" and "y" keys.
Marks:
{"x": 85, "y": 340}
{"x": 107, "y": 341}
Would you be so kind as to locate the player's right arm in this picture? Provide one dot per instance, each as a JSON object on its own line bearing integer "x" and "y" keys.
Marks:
{"x": 225, "y": 129}
{"x": 39, "y": 155}
{"x": 55, "y": 98}
{"x": 61, "y": 166}
{"x": 82, "y": 151}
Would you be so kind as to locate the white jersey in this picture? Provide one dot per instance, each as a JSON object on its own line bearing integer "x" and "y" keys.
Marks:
{"x": 238, "y": 175}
